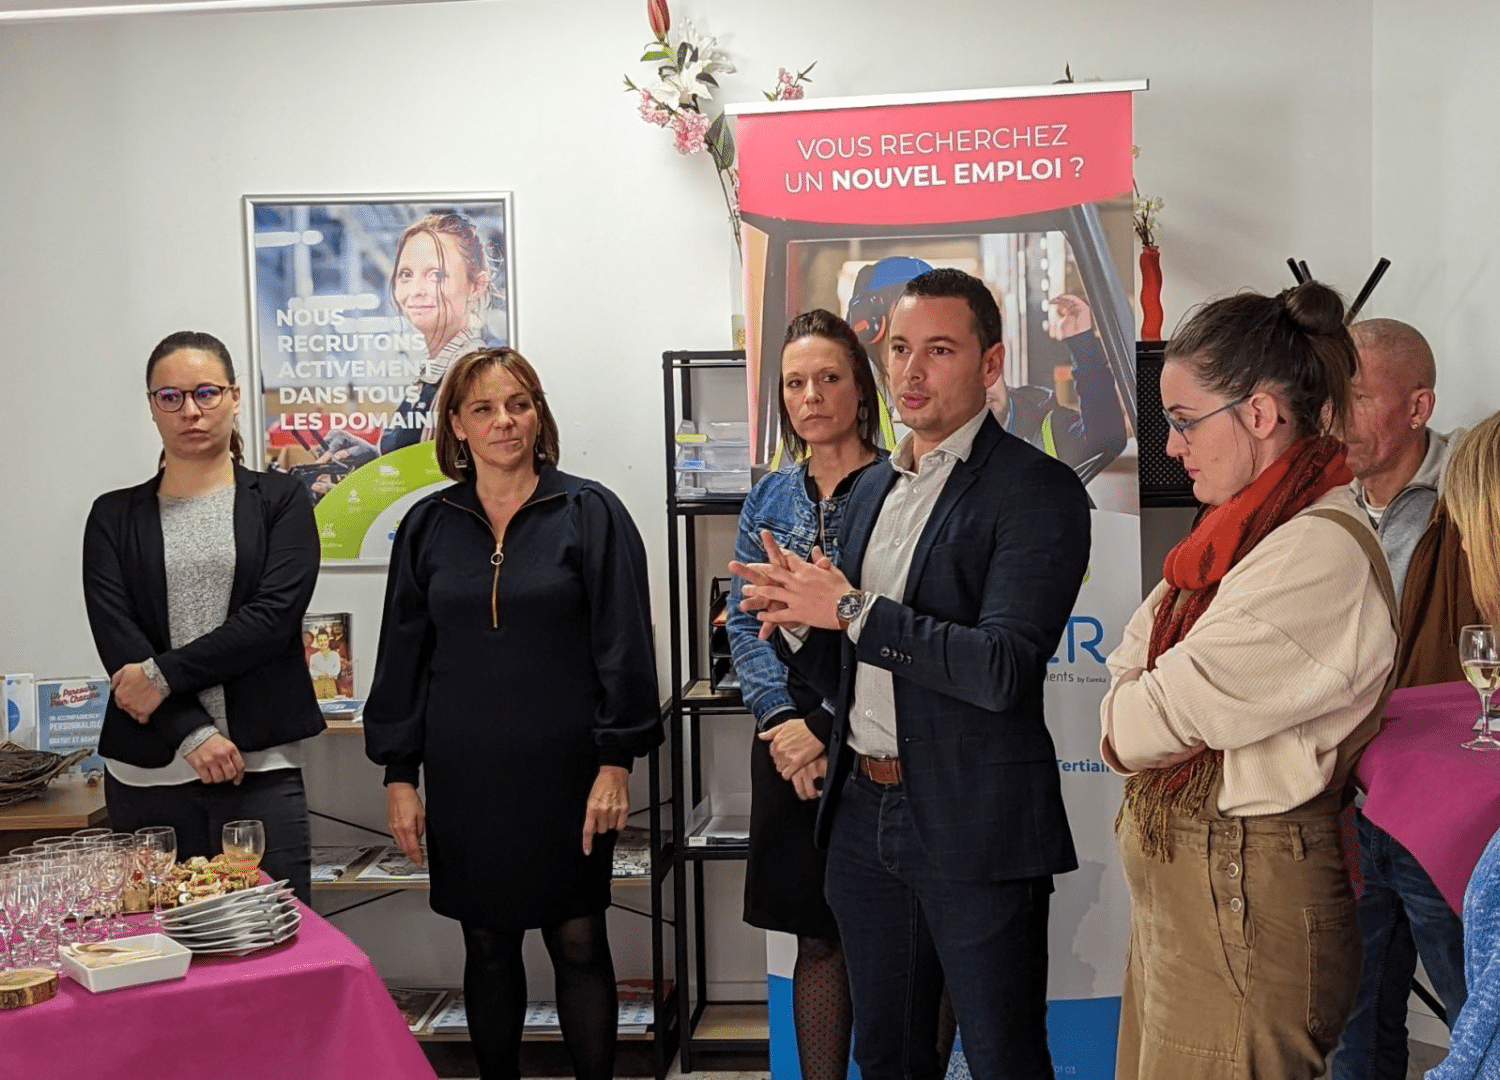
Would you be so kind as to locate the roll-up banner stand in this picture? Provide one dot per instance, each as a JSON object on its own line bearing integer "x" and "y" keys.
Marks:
{"x": 842, "y": 202}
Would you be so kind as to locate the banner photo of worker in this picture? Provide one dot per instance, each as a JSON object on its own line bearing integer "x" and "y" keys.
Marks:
{"x": 358, "y": 307}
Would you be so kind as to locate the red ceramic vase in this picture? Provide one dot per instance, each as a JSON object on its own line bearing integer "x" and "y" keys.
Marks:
{"x": 1151, "y": 293}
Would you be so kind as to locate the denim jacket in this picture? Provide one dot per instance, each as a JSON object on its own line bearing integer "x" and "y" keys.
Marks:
{"x": 779, "y": 502}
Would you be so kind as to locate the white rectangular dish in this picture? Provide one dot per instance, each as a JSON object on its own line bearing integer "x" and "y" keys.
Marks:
{"x": 171, "y": 962}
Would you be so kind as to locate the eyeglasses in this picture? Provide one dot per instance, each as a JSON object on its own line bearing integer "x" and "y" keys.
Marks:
{"x": 1181, "y": 426}
{"x": 171, "y": 399}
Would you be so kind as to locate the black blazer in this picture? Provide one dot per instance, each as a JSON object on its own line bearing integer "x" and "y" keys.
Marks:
{"x": 993, "y": 581}
{"x": 256, "y": 654}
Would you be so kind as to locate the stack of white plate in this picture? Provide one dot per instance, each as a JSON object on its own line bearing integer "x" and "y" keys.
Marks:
{"x": 236, "y": 923}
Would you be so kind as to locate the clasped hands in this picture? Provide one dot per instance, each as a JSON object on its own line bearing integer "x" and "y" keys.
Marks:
{"x": 788, "y": 590}
{"x": 216, "y": 760}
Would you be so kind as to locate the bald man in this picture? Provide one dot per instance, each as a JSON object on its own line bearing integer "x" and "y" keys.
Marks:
{"x": 1397, "y": 462}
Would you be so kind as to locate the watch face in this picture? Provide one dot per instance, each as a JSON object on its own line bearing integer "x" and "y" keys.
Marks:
{"x": 850, "y": 604}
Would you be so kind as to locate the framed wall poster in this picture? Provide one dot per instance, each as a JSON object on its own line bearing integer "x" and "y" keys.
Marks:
{"x": 358, "y": 306}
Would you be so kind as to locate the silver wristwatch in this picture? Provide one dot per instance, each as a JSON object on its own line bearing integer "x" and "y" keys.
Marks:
{"x": 849, "y": 607}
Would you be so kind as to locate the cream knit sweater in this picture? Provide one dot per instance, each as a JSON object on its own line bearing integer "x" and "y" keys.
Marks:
{"x": 1288, "y": 659}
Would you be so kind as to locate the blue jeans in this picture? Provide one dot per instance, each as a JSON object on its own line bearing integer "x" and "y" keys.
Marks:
{"x": 1402, "y": 915}
{"x": 906, "y": 928}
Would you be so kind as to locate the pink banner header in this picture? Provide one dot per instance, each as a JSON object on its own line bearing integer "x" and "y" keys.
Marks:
{"x": 934, "y": 163}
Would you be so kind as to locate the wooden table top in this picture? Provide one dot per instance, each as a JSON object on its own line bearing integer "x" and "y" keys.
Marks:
{"x": 66, "y": 805}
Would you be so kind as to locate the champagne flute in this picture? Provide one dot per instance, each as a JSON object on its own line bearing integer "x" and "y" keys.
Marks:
{"x": 10, "y": 907}
{"x": 1479, "y": 653}
{"x": 117, "y": 863}
{"x": 156, "y": 850}
{"x": 244, "y": 844}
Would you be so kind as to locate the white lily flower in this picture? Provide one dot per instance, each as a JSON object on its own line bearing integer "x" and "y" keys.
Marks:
{"x": 677, "y": 92}
{"x": 714, "y": 60}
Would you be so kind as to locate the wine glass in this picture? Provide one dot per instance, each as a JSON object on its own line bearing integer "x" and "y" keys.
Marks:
{"x": 116, "y": 864}
{"x": 1479, "y": 653}
{"x": 51, "y": 872}
{"x": 10, "y": 907}
{"x": 244, "y": 844}
{"x": 156, "y": 852}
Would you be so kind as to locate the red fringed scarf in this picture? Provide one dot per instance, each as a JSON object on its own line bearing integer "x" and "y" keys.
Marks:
{"x": 1222, "y": 536}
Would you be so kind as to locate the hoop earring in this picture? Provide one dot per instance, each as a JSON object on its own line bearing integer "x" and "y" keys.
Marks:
{"x": 863, "y": 414}
{"x": 538, "y": 453}
{"x": 461, "y": 459}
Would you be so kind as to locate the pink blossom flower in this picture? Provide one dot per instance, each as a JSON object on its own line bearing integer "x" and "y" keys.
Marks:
{"x": 652, "y": 112}
{"x": 689, "y": 127}
{"x": 787, "y": 86}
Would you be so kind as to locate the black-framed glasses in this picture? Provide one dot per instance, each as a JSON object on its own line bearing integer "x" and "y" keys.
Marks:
{"x": 1181, "y": 426}
{"x": 171, "y": 399}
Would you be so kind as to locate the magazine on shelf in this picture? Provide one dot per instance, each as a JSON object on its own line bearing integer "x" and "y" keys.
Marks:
{"x": 634, "y": 1018}
{"x": 720, "y": 820}
{"x": 329, "y": 656}
{"x": 393, "y": 865}
{"x": 69, "y": 716}
{"x": 451, "y": 1019}
{"x": 417, "y": 1004}
{"x": 348, "y": 709}
{"x": 332, "y": 863}
{"x": 633, "y": 852}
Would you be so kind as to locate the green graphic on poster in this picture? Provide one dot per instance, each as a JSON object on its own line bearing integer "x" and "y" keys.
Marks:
{"x": 358, "y": 518}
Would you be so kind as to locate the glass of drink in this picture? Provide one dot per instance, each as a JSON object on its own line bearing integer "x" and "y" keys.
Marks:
{"x": 1479, "y": 653}
{"x": 244, "y": 844}
{"x": 156, "y": 852}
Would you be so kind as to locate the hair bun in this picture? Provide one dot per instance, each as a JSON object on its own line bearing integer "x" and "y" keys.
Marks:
{"x": 1314, "y": 308}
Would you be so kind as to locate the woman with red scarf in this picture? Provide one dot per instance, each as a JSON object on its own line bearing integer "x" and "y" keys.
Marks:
{"x": 1243, "y": 692}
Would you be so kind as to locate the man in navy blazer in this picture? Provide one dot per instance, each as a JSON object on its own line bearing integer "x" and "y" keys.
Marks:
{"x": 942, "y": 809}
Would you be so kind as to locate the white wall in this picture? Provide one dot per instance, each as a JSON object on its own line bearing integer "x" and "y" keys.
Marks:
{"x": 1435, "y": 164}
{"x": 128, "y": 143}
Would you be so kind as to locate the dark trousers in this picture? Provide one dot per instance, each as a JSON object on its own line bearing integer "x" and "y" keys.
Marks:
{"x": 199, "y": 811}
{"x": 907, "y": 927}
{"x": 1402, "y": 916}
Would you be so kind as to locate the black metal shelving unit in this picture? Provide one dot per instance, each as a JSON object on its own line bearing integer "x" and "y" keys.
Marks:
{"x": 704, "y": 1025}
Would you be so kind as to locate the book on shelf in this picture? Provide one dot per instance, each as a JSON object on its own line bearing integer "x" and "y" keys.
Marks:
{"x": 330, "y": 863}
{"x": 720, "y": 821}
{"x": 417, "y": 1004}
{"x": 393, "y": 865}
{"x": 69, "y": 717}
{"x": 329, "y": 656}
{"x": 451, "y": 1018}
{"x": 633, "y": 852}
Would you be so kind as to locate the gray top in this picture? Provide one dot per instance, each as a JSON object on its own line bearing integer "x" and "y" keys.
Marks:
{"x": 198, "y": 541}
{"x": 1402, "y": 521}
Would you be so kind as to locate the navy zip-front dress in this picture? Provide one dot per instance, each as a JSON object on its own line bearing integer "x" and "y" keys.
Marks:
{"x": 510, "y": 681}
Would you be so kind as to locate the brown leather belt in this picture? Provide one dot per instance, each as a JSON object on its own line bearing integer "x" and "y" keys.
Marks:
{"x": 882, "y": 770}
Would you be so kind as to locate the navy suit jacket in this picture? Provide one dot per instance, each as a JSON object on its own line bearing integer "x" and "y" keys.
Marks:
{"x": 993, "y": 581}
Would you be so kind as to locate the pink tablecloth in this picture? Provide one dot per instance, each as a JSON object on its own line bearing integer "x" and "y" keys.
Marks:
{"x": 314, "y": 1008}
{"x": 1440, "y": 801}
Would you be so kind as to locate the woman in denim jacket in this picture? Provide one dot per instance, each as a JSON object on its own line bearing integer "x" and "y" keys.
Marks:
{"x": 829, "y": 412}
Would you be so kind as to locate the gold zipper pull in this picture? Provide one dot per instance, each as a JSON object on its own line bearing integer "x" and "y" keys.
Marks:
{"x": 499, "y": 556}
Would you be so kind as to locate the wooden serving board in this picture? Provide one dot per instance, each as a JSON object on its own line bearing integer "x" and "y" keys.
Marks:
{"x": 26, "y": 986}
